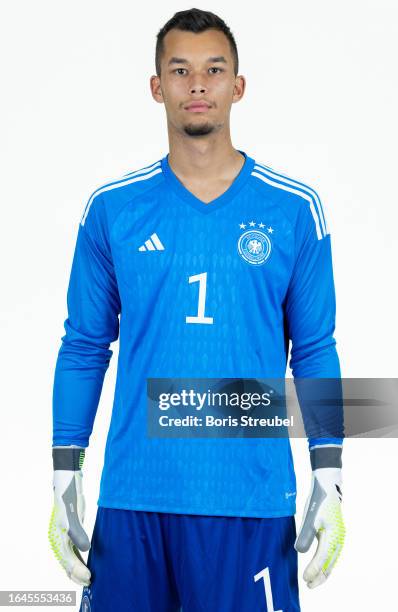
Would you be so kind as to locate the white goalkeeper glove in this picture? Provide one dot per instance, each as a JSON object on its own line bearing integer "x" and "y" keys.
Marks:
{"x": 322, "y": 515}
{"x": 65, "y": 532}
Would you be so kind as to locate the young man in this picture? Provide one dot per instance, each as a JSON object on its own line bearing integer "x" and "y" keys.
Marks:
{"x": 213, "y": 262}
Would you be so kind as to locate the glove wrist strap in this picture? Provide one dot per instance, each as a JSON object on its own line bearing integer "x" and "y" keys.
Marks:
{"x": 68, "y": 458}
{"x": 326, "y": 457}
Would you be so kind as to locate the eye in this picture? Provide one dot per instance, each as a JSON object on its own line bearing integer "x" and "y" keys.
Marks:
{"x": 178, "y": 70}
{"x": 216, "y": 68}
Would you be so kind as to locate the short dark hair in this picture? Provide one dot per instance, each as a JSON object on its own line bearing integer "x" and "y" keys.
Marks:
{"x": 195, "y": 20}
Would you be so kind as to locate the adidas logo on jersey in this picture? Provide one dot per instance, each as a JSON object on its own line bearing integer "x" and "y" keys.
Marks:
{"x": 152, "y": 244}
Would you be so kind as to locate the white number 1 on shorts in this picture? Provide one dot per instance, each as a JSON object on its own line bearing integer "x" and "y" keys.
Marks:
{"x": 264, "y": 574}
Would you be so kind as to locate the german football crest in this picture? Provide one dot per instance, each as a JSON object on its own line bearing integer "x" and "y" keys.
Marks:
{"x": 254, "y": 245}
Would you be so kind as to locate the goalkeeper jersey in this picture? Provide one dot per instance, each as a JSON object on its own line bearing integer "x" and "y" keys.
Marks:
{"x": 198, "y": 290}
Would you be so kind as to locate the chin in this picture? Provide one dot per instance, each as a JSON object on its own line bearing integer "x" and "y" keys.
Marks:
{"x": 198, "y": 129}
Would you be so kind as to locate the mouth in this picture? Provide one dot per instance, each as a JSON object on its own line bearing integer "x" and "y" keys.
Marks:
{"x": 197, "y": 107}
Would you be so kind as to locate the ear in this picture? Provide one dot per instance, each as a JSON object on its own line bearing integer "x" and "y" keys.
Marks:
{"x": 239, "y": 88}
{"x": 156, "y": 89}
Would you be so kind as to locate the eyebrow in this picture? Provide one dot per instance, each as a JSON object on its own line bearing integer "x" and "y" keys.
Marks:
{"x": 181, "y": 60}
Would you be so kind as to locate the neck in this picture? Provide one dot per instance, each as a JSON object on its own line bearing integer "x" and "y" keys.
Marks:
{"x": 197, "y": 157}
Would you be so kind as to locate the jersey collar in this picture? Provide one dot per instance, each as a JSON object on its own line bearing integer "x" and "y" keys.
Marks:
{"x": 207, "y": 207}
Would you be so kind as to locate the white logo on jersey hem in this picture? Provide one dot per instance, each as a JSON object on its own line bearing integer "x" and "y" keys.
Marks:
{"x": 152, "y": 244}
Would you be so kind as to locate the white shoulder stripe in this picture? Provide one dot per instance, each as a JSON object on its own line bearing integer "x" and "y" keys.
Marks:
{"x": 306, "y": 196}
{"x": 145, "y": 169}
{"x": 301, "y": 187}
{"x": 283, "y": 177}
{"x": 127, "y": 180}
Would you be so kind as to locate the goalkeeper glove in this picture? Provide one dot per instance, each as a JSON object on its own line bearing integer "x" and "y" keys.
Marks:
{"x": 66, "y": 533}
{"x": 322, "y": 515}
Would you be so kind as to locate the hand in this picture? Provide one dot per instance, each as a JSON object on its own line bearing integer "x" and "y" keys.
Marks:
{"x": 66, "y": 533}
{"x": 322, "y": 519}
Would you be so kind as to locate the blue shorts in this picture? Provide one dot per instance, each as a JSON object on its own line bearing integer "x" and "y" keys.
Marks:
{"x": 160, "y": 562}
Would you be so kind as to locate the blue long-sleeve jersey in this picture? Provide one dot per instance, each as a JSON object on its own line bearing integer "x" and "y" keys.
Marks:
{"x": 194, "y": 289}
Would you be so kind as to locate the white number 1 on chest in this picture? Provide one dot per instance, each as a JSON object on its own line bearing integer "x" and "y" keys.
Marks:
{"x": 200, "y": 317}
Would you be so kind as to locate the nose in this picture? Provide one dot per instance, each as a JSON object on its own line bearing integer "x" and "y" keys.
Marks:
{"x": 198, "y": 83}
{"x": 198, "y": 89}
